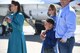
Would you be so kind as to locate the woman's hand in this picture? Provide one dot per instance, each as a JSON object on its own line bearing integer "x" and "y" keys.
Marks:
{"x": 8, "y": 20}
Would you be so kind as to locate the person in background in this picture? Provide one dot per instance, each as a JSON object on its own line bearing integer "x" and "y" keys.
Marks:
{"x": 65, "y": 27}
{"x": 15, "y": 21}
{"x": 52, "y": 13}
{"x": 48, "y": 37}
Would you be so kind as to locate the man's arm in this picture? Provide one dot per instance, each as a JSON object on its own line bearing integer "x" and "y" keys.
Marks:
{"x": 71, "y": 26}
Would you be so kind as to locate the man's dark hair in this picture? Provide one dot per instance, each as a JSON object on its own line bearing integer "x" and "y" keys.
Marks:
{"x": 72, "y": 0}
{"x": 51, "y": 21}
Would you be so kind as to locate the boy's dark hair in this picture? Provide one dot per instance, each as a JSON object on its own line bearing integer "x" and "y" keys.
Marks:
{"x": 50, "y": 21}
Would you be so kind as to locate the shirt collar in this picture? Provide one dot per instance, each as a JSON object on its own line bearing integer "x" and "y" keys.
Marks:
{"x": 66, "y": 7}
{"x": 50, "y": 30}
{"x": 53, "y": 16}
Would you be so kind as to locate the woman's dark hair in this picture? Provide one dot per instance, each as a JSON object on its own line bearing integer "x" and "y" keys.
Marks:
{"x": 51, "y": 21}
{"x": 16, "y": 3}
{"x": 53, "y": 8}
{"x": 9, "y": 7}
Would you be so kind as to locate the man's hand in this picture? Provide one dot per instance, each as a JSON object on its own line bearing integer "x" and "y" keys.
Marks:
{"x": 63, "y": 41}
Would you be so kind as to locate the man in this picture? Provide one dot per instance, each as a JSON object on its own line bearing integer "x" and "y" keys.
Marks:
{"x": 65, "y": 28}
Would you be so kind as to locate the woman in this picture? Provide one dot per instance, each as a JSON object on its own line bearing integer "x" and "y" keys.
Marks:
{"x": 52, "y": 14}
{"x": 15, "y": 20}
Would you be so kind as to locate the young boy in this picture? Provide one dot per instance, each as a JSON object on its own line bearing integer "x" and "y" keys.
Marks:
{"x": 48, "y": 37}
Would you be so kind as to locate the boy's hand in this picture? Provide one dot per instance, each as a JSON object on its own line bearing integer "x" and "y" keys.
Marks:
{"x": 42, "y": 35}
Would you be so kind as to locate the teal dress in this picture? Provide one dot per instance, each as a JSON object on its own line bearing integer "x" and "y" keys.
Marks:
{"x": 17, "y": 42}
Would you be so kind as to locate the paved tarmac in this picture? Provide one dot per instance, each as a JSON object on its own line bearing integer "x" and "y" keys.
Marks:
{"x": 34, "y": 42}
